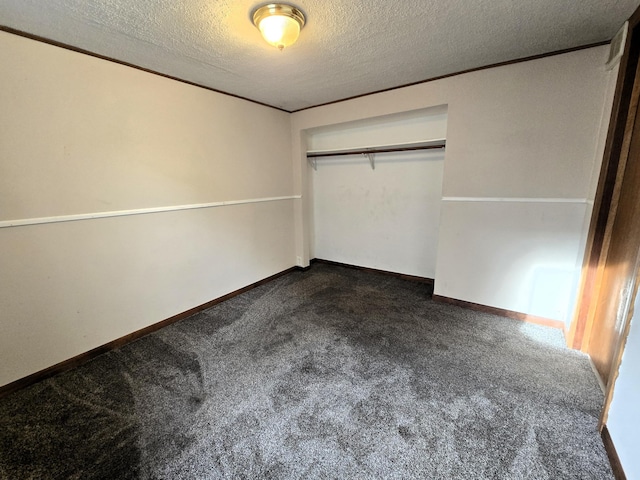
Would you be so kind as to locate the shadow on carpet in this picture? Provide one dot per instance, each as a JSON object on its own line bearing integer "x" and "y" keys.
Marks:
{"x": 330, "y": 373}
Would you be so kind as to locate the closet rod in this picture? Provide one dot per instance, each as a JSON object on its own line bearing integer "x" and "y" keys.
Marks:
{"x": 374, "y": 150}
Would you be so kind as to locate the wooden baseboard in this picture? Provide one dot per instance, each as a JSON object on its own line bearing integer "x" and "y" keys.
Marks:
{"x": 119, "y": 342}
{"x": 523, "y": 317}
{"x": 414, "y": 278}
{"x": 616, "y": 466}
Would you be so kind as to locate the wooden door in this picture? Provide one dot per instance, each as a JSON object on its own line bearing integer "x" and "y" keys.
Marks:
{"x": 621, "y": 263}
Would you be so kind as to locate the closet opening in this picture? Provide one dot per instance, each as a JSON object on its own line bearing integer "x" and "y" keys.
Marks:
{"x": 376, "y": 187}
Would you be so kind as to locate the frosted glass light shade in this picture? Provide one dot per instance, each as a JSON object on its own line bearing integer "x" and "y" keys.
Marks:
{"x": 279, "y": 24}
{"x": 280, "y": 31}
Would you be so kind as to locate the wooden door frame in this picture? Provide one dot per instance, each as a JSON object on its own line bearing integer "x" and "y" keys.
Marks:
{"x": 617, "y": 145}
{"x": 617, "y": 359}
{"x": 623, "y": 114}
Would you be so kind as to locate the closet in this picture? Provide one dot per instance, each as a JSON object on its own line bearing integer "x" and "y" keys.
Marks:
{"x": 377, "y": 188}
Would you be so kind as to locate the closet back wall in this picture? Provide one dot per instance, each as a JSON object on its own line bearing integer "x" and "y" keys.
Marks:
{"x": 80, "y": 135}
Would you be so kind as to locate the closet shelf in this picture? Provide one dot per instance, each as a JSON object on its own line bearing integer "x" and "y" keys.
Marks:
{"x": 312, "y": 155}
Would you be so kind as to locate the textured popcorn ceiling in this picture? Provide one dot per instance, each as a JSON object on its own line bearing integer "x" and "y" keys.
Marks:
{"x": 347, "y": 47}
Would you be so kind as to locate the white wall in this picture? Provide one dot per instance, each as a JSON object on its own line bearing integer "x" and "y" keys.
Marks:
{"x": 624, "y": 414}
{"x": 520, "y": 254}
{"x": 385, "y": 218}
{"x": 522, "y": 143}
{"x": 79, "y": 135}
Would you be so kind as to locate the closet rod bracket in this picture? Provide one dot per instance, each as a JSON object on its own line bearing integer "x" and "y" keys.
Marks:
{"x": 372, "y": 159}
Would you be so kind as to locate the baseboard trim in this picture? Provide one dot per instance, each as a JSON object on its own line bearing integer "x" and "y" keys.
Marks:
{"x": 523, "y": 317}
{"x": 616, "y": 466}
{"x": 404, "y": 276}
{"x": 119, "y": 342}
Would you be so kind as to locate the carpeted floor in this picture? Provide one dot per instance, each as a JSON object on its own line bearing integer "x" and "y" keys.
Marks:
{"x": 331, "y": 373}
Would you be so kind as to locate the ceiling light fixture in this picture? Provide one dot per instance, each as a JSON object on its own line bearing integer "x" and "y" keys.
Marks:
{"x": 279, "y": 23}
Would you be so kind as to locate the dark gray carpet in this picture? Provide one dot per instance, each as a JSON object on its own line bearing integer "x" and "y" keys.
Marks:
{"x": 332, "y": 373}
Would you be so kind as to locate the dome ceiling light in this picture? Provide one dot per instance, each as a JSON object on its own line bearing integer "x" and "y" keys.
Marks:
{"x": 279, "y": 23}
